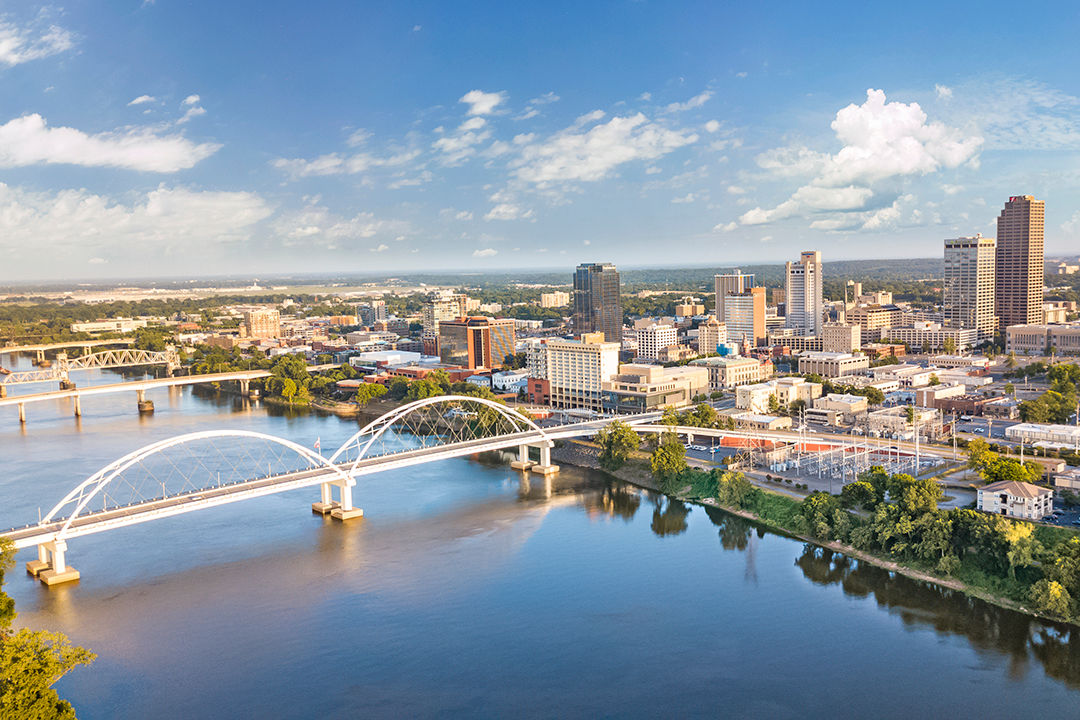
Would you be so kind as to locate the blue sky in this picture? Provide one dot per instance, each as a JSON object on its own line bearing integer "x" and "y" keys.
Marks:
{"x": 165, "y": 138}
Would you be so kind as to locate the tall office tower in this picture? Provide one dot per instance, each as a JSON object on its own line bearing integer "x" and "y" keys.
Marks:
{"x": 804, "y": 304}
{"x": 969, "y": 284}
{"x": 731, "y": 284}
{"x": 744, "y": 316}
{"x": 443, "y": 305}
{"x": 378, "y": 308}
{"x": 596, "y": 301}
{"x": 476, "y": 342}
{"x": 1019, "y": 262}
{"x": 262, "y": 323}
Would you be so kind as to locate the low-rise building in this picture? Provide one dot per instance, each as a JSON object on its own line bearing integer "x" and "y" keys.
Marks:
{"x": 1067, "y": 436}
{"x": 1068, "y": 481}
{"x": 907, "y": 374}
{"x": 831, "y": 364}
{"x": 1038, "y": 339}
{"x": 120, "y": 325}
{"x": 641, "y": 388}
{"x": 841, "y": 337}
{"x": 757, "y": 421}
{"x": 509, "y": 380}
{"x": 848, "y": 407}
{"x": 676, "y": 353}
{"x": 932, "y": 335}
{"x": 929, "y": 395}
{"x": 965, "y": 362}
{"x": 756, "y": 398}
{"x": 1016, "y": 499}
{"x": 730, "y": 371}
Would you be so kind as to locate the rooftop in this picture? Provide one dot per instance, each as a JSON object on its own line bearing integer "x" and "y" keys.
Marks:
{"x": 1016, "y": 489}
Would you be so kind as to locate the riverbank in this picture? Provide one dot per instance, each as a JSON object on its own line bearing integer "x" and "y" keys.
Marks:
{"x": 637, "y": 472}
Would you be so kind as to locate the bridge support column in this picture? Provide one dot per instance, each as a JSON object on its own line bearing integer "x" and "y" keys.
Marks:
{"x": 22, "y": 412}
{"x": 326, "y": 499}
{"x": 523, "y": 462}
{"x": 34, "y": 567}
{"x": 545, "y": 467}
{"x": 3, "y": 391}
{"x": 245, "y": 386}
{"x": 145, "y": 406}
{"x": 346, "y": 511}
{"x": 78, "y": 406}
{"x": 58, "y": 571}
{"x": 39, "y": 357}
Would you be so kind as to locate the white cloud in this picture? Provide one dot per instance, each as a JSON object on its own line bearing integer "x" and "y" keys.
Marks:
{"x": 482, "y": 103}
{"x": 417, "y": 28}
{"x": 143, "y": 99}
{"x": 880, "y": 141}
{"x": 508, "y": 211}
{"x": 23, "y": 44}
{"x": 545, "y": 99}
{"x": 165, "y": 217}
{"x": 357, "y": 137}
{"x": 381, "y": 247}
{"x": 473, "y": 123}
{"x": 192, "y": 112}
{"x": 694, "y": 102}
{"x": 191, "y": 100}
{"x": 585, "y": 156}
{"x": 736, "y": 190}
{"x": 97, "y": 261}
{"x": 653, "y": 170}
{"x": 646, "y": 96}
{"x": 741, "y": 75}
{"x": 687, "y": 198}
{"x": 463, "y": 215}
{"x": 486, "y": 252}
{"x": 728, "y": 227}
{"x": 712, "y": 126}
{"x": 952, "y": 189}
{"x": 315, "y": 225}
{"x": 943, "y": 92}
{"x": 1019, "y": 114}
{"x": 337, "y": 164}
{"x": 29, "y": 141}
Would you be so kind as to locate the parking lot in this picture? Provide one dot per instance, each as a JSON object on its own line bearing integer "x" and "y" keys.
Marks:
{"x": 985, "y": 428}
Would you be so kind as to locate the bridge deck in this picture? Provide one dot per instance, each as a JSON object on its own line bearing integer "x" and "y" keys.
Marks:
{"x": 133, "y": 385}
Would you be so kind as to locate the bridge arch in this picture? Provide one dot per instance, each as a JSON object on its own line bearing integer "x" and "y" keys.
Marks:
{"x": 365, "y": 439}
{"x": 81, "y": 495}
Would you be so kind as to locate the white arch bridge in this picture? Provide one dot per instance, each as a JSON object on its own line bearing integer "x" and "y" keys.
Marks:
{"x": 206, "y": 469}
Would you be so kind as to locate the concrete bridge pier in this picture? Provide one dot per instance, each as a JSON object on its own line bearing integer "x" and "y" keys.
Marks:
{"x": 3, "y": 391}
{"x": 51, "y": 566}
{"x": 345, "y": 510}
{"x": 78, "y": 406}
{"x": 39, "y": 357}
{"x": 544, "y": 467}
{"x": 22, "y": 412}
{"x": 523, "y": 462}
{"x": 326, "y": 502}
{"x": 145, "y": 406}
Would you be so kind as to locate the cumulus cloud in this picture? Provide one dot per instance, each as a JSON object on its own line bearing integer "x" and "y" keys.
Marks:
{"x": 316, "y": 225}
{"x": 508, "y": 211}
{"x": 726, "y": 227}
{"x": 943, "y": 92}
{"x": 482, "y": 103}
{"x": 337, "y": 164}
{"x": 381, "y": 247}
{"x": 712, "y": 126}
{"x": 694, "y": 102}
{"x": 23, "y": 44}
{"x": 880, "y": 141}
{"x": 191, "y": 100}
{"x": 687, "y": 198}
{"x": 29, "y": 140}
{"x": 486, "y": 252}
{"x": 142, "y": 99}
{"x": 165, "y": 217}
{"x": 579, "y": 155}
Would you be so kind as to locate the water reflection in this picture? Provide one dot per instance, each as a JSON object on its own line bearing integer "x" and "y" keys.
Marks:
{"x": 987, "y": 627}
{"x": 669, "y": 517}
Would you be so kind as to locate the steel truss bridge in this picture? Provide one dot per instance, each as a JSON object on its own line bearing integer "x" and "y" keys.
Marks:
{"x": 211, "y": 468}
{"x": 121, "y": 357}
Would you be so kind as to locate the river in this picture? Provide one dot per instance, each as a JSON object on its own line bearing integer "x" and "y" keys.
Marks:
{"x": 468, "y": 590}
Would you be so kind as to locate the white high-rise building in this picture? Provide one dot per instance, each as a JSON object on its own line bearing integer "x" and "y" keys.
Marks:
{"x": 970, "y": 284}
{"x": 735, "y": 283}
{"x": 711, "y": 334}
{"x": 804, "y": 306}
{"x": 654, "y": 338}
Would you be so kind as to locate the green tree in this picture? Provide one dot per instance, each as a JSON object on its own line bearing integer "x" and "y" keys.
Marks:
{"x": 734, "y": 490}
{"x": 1010, "y": 360}
{"x": 31, "y": 661}
{"x": 368, "y": 392}
{"x": 288, "y": 389}
{"x": 949, "y": 345}
{"x": 934, "y": 380}
{"x": 858, "y": 494}
{"x": 1051, "y": 597}
{"x": 616, "y": 441}
{"x": 668, "y": 461}
{"x": 1010, "y": 389}
{"x": 979, "y": 455}
{"x": 1023, "y": 547}
{"x": 818, "y": 510}
{"x": 774, "y": 405}
{"x": 875, "y": 396}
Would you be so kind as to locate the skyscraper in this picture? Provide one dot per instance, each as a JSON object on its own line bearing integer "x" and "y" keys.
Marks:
{"x": 744, "y": 316}
{"x": 596, "y": 301}
{"x": 1019, "y": 262}
{"x": 804, "y": 304}
{"x": 968, "y": 298}
{"x": 731, "y": 284}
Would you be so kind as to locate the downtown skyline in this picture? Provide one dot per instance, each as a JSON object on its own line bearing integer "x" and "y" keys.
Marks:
{"x": 148, "y": 139}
